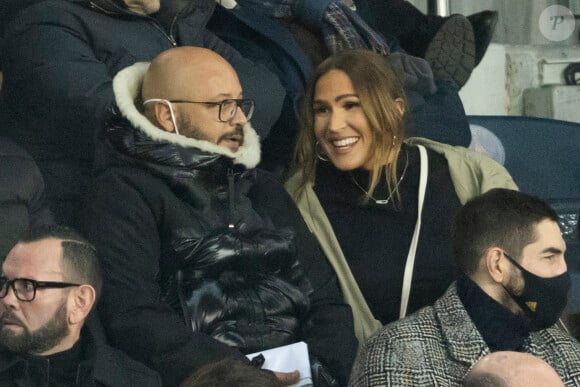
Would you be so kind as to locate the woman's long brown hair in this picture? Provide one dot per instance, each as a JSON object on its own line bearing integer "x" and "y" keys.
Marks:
{"x": 378, "y": 87}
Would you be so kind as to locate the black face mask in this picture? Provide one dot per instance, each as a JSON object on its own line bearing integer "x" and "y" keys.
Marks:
{"x": 543, "y": 299}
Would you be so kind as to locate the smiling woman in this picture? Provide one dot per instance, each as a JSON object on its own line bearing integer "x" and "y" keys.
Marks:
{"x": 380, "y": 204}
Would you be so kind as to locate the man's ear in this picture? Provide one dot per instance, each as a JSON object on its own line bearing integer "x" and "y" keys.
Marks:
{"x": 495, "y": 265}
{"x": 81, "y": 301}
{"x": 161, "y": 114}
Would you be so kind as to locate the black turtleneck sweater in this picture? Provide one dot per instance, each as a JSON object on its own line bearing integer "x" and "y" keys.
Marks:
{"x": 501, "y": 329}
{"x": 60, "y": 368}
{"x": 375, "y": 239}
{"x": 64, "y": 365}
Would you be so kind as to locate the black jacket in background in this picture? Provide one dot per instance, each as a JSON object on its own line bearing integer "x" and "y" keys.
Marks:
{"x": 58, "y": 59}
{"x": 165, "y": 203}
{"x": 21, "y": 195}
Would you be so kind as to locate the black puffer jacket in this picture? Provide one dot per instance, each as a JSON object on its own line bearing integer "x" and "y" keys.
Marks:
{"x": 237, "y": 287}
{"x": 230, "y": 273}
{"x": 189, "y": 232}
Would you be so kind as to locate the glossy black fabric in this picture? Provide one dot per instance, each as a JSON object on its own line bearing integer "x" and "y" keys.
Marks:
{"x": 241, "y": 285}
{"x": 246, "y": 291}
{"x": 160, "y": 216}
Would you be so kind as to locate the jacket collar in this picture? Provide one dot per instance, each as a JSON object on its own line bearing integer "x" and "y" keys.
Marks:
{"x": 127, "y": 86}
{"x": 9, "y": 360}
{"x": 501, "y": 329}
{"x": 464, "y": 342}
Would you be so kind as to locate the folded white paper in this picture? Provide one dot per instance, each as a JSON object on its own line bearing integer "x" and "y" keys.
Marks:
{"x": 287, "y": 359}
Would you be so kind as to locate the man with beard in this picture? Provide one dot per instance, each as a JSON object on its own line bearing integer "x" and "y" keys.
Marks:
{"x": 50, "y": 281}
{"x": 206, "y": 256}
{"x": 514, "y": 288}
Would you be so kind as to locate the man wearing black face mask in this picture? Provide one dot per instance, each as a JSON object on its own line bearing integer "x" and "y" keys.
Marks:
{"x": 514, "y": 288}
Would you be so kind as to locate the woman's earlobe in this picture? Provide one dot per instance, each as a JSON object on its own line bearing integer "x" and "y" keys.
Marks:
{"x": 400, "y": 104}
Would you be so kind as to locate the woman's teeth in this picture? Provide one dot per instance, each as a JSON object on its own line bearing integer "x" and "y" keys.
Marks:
{"x": 345, "y": 142}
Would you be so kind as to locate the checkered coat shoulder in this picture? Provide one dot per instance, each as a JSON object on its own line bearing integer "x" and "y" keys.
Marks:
{"x": 438, "y": 345}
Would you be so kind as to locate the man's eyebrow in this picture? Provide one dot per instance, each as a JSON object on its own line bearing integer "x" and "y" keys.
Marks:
{"x": 553, "y": 250}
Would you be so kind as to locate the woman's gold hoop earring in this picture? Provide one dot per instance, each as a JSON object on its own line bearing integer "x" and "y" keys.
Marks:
{"x": 319, "y": 152}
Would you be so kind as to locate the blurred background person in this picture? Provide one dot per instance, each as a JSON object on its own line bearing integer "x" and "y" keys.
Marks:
{"x": 22, "y": 203}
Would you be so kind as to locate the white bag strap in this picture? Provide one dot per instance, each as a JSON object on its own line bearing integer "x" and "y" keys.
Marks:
{"x": 409, "y": 266}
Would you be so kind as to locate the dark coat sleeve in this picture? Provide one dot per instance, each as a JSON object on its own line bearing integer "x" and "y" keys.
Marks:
{"x": 328, "y": 329}
{"x": 51, "y": 68}
{"x": 122, "y": 225}
{"x": 21, "y": 195}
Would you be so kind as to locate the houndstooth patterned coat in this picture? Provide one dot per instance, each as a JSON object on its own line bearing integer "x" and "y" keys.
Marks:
{"x": 439, "y": 344}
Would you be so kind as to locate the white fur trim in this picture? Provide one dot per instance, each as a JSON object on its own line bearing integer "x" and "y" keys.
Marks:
{"x": 227, "y": 4}
{"x": 127, "y": 86}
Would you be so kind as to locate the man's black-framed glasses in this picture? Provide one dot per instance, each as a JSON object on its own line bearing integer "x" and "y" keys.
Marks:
{"x": 25, "y": 288}
{"x": 227, "y": 107}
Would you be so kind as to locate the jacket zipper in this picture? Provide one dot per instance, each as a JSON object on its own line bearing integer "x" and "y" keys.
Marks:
{"x": 151, "y": 20}
{"x": 160, "y": 29}
{"x": 172, "y": 30}
{"x": 231, "y": 192}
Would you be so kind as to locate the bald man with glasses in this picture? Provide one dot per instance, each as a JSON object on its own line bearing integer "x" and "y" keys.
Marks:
{"x": 49, "y": 284}
{"x": 206, "y": 256}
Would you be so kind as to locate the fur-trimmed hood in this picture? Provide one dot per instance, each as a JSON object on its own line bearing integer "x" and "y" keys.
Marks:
{"x": 127, "y": 87}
